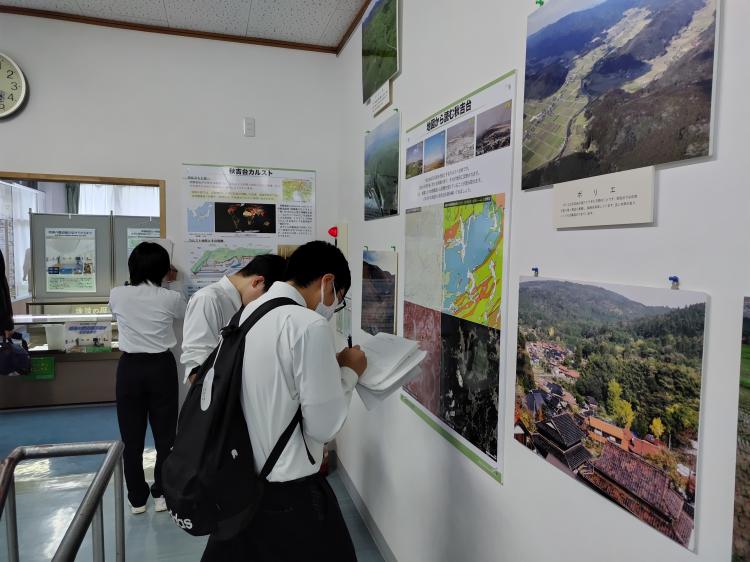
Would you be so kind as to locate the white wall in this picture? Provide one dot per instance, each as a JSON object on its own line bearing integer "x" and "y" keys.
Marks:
{"x": 130, "y": 104}
{"x": 429, "y": 501}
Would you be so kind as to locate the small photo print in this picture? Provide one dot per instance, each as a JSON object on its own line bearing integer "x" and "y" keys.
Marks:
{"x": 493, "y": 128}
{"x": 414, "y": 160}
{"x": 434, "y": 152}
{"x": 246, "y": 217}
{"x": 460, "y": 142}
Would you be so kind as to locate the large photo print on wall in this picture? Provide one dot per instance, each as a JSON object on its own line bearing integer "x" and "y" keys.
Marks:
{"x": 379, "y": 282}
{"x": 608, "y": 386}
{"x": 615, "y": 85}
{"x": 379, "y": 45}
{"x": 381, "y": 169}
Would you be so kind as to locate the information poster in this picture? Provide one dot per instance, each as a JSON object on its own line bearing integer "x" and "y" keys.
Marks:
{"x": 138, "y": 235}
{"x": 463, "y": 150}
{"x": 70, "y": 258}
{"x": 458, "y": 185}
{"x": 235, "y": 213}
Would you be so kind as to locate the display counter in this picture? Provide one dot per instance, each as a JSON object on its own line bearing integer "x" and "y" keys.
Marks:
{"x": 74, "y": 357}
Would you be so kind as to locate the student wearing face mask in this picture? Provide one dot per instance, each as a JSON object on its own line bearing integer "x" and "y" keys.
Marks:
{"x": 290, "y": 363}
{"x": 211, "y": 308}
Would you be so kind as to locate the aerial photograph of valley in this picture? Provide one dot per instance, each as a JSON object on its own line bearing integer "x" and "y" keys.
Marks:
{"x": 613, "y": 85}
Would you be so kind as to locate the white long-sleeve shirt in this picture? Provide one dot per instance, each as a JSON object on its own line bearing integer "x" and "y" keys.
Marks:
{"x": 208, "y": 311}
{"x": 290, "y": 360}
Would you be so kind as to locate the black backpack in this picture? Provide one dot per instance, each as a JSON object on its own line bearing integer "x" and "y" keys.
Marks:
{"x": 14, "y": 358}
{"x": 209, "y": 477}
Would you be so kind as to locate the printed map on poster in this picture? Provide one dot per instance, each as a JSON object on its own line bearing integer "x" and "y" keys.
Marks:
{"x": 473, "y": 257}
{"x": 463, "y": 150}
{"x": 213, "y": 258}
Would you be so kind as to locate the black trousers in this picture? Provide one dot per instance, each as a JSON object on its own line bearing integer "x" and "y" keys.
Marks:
{"x": 146, "y": 391}
{"x": 298, "y": 521}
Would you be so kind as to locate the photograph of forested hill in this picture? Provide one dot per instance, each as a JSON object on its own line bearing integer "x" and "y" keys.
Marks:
{"x": 741, "y": 536}
{"x": 613, "y": 85}
{"x": 379, "y": 45}
{"x": 608, "y": 386}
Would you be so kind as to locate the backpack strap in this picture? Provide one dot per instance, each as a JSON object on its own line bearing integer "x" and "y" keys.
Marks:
{"x": 282, "y": 443}
{"x": 256, "y": 315}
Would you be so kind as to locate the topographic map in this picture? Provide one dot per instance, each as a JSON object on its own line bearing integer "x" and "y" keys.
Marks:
{"x": 215, "y": 259}
{"x": 473, "y": 259}
{"x": 423, "y": 257}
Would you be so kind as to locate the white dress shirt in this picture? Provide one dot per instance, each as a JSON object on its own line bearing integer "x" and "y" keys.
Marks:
{"x": 208, "y": 311}
{"x": 145, "y": 316}
{"x": 290, "y": 360}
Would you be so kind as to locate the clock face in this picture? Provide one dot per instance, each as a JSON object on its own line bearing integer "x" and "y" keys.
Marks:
{"x": 12, "y": 86}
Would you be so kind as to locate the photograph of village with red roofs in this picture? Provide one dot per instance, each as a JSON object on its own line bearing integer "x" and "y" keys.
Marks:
{"x": 608, "y": 384}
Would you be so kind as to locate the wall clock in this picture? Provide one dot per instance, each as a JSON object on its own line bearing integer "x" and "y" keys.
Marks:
{"x": 12, "y": 86}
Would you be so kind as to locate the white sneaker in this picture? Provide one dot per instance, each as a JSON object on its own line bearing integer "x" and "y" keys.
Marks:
{"x": 160, "y": 504}
{"x": 138, "y": 510}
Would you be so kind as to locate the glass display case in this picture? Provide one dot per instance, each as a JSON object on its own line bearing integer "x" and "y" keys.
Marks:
{"x": 74, "y": 354}
{"x": 68, "y": 333}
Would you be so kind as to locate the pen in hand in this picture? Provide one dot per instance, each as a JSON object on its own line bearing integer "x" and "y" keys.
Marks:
{"x": 349, "y": 340}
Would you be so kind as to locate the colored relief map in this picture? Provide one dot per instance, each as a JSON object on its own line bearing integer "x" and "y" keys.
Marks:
{"x": 473, "y": 259}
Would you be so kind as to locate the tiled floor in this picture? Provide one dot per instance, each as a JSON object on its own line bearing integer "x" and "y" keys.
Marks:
{"x": 49, "y": 491}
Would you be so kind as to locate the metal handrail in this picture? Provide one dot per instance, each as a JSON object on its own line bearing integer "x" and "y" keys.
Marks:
{"x": 90, "y": 510}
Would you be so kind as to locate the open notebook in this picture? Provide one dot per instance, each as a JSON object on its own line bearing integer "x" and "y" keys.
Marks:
{"x": 392, "y": 361}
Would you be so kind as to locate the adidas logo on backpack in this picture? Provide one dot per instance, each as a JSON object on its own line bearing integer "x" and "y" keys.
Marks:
{"x": 181, "y": 523}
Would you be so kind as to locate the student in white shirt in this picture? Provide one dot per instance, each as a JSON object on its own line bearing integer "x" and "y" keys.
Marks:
{"x": 146, "y": 387}
{"x": 211, "y": 308}
{"x": 290, "y": 361}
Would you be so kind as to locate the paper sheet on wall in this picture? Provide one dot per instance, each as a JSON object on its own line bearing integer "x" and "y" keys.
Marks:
{"x": 235, "y": 213}
{"x": 463, "y": 150}
{"x": 70, "y": 258}
{"x": 138, "y": 235}
{"x": 459, "y": 169}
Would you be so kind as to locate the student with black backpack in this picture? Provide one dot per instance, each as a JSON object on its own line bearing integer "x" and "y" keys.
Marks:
{"x": 295, "y": 397}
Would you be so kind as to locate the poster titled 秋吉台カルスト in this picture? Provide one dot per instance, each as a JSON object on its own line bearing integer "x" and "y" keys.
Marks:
{"x": 235, "y": 213}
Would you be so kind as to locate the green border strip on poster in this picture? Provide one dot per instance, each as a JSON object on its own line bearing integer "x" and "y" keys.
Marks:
{"x": 471, "y": 455}
{"x": 249, "y": 166}
{"x": 467, "y": 96}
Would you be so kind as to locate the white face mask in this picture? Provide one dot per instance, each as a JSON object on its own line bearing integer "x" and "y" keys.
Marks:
{"x": 326, "y": 311}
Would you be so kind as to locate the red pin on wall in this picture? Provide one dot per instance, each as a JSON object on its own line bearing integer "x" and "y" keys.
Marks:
{"x": 334, "y": 233}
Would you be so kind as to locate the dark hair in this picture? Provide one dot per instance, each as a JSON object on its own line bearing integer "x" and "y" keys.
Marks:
{"x": 270, "y": 266}
{"x": 313, "y": 260}
{"x": 149, "y": 262}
